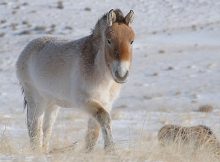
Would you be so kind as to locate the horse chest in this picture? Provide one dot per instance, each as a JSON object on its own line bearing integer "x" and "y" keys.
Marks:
{"x": 99, "y": 92}
{"x": 105, "y": 94}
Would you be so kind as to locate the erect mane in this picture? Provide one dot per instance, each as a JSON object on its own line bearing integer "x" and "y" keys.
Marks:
{"x": 102, "y": 22}
{"x": 119, "y": 16}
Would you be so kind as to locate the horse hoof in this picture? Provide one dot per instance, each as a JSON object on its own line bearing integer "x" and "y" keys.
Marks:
{"x": 88, "y": 149}
{"x": 110, "y": 149}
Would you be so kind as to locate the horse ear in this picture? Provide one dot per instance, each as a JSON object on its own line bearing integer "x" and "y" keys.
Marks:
{"x": 111, "y": 17}
{"x": 129, "y": 17}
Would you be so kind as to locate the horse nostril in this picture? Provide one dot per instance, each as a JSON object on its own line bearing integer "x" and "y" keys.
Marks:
{"x": 121, "y": 78}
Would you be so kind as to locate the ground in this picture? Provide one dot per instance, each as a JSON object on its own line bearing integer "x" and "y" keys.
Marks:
{"x": 175, "y": 70}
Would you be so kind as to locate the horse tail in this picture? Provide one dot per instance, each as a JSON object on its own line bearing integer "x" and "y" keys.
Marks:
{"x": 25, "y": 103}
{"x": 22, "y": 66}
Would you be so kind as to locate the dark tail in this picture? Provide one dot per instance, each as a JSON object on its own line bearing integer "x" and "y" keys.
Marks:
{"x": 25, "y": 101}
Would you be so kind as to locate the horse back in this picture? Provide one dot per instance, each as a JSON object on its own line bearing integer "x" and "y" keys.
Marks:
{"x": 47, "y": 63}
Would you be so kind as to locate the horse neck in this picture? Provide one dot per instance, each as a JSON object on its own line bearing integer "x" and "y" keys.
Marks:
{"x": 92, "y": 61}
{"x": 101, "y": 67}
{"x": 98, "y": 71}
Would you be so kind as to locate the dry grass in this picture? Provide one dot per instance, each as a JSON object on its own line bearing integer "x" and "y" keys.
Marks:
{"x": 205, "y": 108}
{"x": 145, "y": 148}
{"x": 196, "y": 140}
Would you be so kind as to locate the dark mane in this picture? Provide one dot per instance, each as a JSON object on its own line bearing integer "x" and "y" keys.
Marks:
{"x": 119, "y": 16}
{"x": 102, "y": 21}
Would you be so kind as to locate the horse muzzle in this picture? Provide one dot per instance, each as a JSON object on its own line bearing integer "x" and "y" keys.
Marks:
{"x": 120, "y": 71}
{"x": 121, "y": 79}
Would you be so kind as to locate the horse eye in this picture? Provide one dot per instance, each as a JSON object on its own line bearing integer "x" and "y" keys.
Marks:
{"x": 109, "y": 41}
{"x": 132, "y": 42}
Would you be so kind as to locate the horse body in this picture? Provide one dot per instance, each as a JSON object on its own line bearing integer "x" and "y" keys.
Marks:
{"x": 54, "y": 70}
{"x": 81, "y": 73}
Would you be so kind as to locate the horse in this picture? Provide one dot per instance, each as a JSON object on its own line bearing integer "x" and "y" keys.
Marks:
{"x": 86, "y": 74}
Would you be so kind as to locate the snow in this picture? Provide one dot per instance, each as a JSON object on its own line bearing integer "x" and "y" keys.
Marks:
{"x": 176, "y": 62}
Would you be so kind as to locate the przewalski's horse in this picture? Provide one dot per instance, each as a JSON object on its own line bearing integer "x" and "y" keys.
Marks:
{"x": 85, "y": 73}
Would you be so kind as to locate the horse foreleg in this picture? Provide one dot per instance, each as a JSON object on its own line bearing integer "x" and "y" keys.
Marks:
{"x": 92, "y": 134}
{"x": 104, "y": 119}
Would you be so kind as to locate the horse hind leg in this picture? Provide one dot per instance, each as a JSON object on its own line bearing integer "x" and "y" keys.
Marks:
{"x": 49, "y": 119}
{"x": 92, "y": 134}
{"x": 35, "y": 114}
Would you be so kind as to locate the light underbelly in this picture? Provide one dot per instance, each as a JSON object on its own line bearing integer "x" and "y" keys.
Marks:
{"x": 70, "y": 91}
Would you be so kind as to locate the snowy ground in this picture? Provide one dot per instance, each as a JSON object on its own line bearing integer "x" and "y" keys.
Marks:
{"x": 176, "y": 65}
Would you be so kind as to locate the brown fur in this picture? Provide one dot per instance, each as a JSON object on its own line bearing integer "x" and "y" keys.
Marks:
{"x": 121, "y": 36}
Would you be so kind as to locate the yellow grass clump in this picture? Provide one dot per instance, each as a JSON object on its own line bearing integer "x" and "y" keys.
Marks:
{"x": 194, "y": 139}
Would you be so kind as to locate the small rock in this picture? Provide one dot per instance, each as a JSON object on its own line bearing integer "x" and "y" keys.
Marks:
{"x": 2, "y": 34}
{"x": 3, "y": 21}
{"x": 68, "y": 28}
{"x": 33, "y": 11}
{"x": 170, "y": 68}
{"x": 155, "y": 74}
{"x": 25, "y": 32}
{"x": 60, "y": 5}
{"x": 24, "y": 4}
{"x": 164, "y": 31}
{"x": 25, "y": 22}
{"x": 161, "y": 51}
{"x": 3, "y": 3}
{"x": 53, "y": 26}
{"x": 16, "y": 7}
{"x": 148, "y": 97}
{"x": 14, "y": 12}
{"x": 154, "y": 32}
{"x": 14, "y": 26}
{"x": 87, "y": 9}
{"x": 193, "y": 27}
{"x": 40, "y": 28}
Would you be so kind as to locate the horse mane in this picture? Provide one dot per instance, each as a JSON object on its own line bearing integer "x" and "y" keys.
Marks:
{"x": 102, "y": 22}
